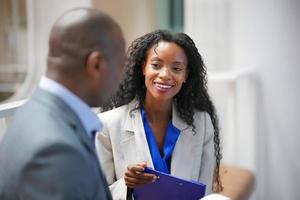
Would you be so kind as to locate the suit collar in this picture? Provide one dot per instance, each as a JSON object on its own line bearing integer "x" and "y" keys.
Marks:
{"x": 134, "y": 111}
{"x": 134, "y": 128}
{"x": 56, "y": 105}
{"x": 184, "y": 154}
{"x": 178, "y": 122}
{"x": 88, "y": 118}
{"x": 63, "y": 110}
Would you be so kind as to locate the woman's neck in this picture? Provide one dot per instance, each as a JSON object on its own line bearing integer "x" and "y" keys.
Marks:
{"x": 158, "y": 111}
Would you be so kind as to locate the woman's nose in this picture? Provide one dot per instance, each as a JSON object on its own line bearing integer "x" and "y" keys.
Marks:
{"x": 164, "y": 73}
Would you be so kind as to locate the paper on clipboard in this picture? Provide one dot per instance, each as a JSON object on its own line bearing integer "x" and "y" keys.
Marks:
{"x": 169, "y": 187}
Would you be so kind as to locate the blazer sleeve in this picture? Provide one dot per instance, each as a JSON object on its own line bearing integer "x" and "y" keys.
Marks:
{"x": 117, "y": 188}
{"x": 207, "y": 161}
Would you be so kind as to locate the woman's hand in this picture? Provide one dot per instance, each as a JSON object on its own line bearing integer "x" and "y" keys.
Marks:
{"x": 134, "y": 176}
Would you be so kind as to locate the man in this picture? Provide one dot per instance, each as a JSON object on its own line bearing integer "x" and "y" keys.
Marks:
{"x": 48, "y": 151}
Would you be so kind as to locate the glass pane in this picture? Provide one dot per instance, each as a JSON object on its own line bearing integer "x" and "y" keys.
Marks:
{"x": 170, "y": 15}
{"x": 13, "y": 46}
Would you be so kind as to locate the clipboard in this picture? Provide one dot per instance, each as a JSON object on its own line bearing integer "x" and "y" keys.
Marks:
{"x": 169, "y": 187}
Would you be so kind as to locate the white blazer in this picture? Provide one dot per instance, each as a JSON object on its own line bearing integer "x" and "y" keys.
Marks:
{"x": 122, "y": 141}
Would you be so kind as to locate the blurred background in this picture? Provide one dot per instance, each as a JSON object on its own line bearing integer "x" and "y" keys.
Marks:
{"x": 251, "y": 50}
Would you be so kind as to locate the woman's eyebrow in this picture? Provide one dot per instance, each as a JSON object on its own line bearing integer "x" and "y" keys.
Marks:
{"x": 177, "y": 62}
{"x": 156, "y": 58}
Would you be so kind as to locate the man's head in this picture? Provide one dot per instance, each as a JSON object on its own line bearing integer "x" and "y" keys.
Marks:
{"x": 86, "y": 54}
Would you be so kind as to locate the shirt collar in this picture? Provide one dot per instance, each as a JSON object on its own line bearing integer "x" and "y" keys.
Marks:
{"x": 88, "y": 118}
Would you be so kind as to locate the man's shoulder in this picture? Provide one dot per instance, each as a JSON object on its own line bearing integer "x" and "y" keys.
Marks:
{"x": 35, "y": 125}
{"x": 34, "y": 114}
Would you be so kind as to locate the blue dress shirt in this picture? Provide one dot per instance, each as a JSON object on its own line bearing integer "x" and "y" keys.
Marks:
{"x": 161, "y": 163}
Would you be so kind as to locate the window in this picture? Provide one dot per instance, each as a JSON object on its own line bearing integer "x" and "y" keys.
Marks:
{"x": 170, "y": 14}
{"x": 14, "y": 46}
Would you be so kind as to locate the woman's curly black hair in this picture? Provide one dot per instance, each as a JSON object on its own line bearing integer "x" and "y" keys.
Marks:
{"x": 193, "y": 94}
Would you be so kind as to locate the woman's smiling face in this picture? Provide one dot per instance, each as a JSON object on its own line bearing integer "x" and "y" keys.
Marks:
{"x": 165, "y": 70}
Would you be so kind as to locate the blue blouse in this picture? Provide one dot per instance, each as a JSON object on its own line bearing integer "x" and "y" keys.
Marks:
{"x": 160, "y": 163}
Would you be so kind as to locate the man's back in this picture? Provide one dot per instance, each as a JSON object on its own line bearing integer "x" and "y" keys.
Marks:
{"x": 47, "y": 154}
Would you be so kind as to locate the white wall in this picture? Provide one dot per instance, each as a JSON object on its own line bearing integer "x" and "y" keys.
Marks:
{"x": 266, "y": 36}
{"x": 209, "y": 23}
{"x": 262, "y": 36}
{"x": 136, "y": 17}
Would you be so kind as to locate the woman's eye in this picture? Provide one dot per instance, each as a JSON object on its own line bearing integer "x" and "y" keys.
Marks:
{"x": 177, "y": 69}
{"x": 155, "y": 65}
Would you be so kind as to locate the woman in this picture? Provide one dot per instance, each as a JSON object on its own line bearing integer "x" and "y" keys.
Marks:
{"x": 162, "y": 118}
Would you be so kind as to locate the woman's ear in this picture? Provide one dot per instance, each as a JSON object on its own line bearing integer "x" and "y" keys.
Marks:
{"x": 96, "y": 65}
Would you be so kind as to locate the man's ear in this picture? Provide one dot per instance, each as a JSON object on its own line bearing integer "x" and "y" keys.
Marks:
{"x": 96, "y": 65}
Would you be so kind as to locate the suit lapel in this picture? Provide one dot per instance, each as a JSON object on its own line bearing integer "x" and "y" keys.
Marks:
{"x": 133, "y": 141}
{"x": 63, "y": 111}
{"x": 183, "y": 157}
{"x": 135, "y": 147}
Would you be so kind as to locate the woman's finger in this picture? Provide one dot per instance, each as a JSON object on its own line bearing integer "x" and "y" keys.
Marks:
{"x": 133, "y": 182}
{"x": 142, "y": 176}
{"x": 135, "y": 168}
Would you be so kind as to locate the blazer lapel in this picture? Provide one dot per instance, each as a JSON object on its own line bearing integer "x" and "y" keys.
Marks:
{"x": 65, "y": 113}
{"x": 135, "y": 147}
{"x": 133, "y": 140}
{"x": 183, "y": 157}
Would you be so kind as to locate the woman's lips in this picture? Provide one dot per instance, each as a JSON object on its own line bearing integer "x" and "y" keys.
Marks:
{"x": 164, "y": 87}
